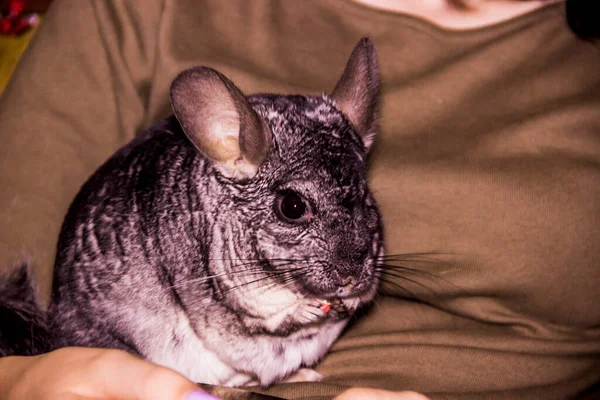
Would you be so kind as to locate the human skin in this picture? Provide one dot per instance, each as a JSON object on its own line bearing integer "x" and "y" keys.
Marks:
{"x": 460, "y": 14}
{"x": 86, "y": 374}
{"x": 376, "y": 394}
{"x": 101, "y": 374}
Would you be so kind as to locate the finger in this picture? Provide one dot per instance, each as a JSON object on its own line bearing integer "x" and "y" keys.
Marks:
{"x": 72, "y": 396}
{"x": 119, "y": 375}
{"x": 376, "y": 394}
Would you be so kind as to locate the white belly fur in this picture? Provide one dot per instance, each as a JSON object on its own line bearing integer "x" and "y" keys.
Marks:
{"x": 269, "y": 358}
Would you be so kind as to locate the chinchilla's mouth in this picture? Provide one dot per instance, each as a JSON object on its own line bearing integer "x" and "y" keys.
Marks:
{"x": 341, "y": 306}
{"x": 332, "y": 304}
{"x": 347, "y": 305}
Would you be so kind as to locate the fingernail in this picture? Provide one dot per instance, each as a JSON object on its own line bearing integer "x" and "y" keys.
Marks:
{"x": 200, "y": 395}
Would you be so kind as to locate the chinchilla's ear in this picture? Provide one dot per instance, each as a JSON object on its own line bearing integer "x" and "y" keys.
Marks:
{"x": 219, "y": 121}
{"x": 357, "y": 92}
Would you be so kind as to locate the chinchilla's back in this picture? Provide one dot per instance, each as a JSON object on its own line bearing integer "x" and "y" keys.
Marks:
{"x": 126, "y": 220}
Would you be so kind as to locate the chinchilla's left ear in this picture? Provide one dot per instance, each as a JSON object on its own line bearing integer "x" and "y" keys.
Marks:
{"x": 219, "y": 121}
{"x": 357, "y": 92}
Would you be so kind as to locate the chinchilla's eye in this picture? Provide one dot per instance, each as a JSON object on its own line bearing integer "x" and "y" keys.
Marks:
{"x": 291, "y": 207}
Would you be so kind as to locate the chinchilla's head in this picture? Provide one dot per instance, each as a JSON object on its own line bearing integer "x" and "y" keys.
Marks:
{"x": 293, "y": 209}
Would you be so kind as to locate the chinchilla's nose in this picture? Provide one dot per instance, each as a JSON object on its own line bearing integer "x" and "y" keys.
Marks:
{"x": 350, "y": 254}
{"x": 342, "y": 280}
{"x": 345, "y": 284}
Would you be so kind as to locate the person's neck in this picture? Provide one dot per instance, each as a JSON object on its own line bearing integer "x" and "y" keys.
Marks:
{"x": 441, "y": 12}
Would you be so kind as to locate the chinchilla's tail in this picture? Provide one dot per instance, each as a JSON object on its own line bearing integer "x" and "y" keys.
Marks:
{"x": 23, "y": 322}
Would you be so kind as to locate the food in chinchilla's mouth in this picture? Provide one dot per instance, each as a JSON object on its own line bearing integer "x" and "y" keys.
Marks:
{"x": 336, "y": 304}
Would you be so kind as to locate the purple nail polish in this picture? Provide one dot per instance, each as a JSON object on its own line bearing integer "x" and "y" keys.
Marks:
{"x": 200, "y": 395}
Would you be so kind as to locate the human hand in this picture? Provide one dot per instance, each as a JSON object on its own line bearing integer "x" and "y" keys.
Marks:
{"x": 376, "y": 394}
{"x": 86, "y": 374}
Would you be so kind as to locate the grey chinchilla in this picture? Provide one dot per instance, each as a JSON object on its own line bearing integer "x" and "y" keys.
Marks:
{"x": 232, "y": 241}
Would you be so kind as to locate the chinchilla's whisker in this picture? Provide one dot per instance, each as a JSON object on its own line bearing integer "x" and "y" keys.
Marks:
{"x": 248, "y": 271}
{"x": 255, "y": 280}
{"x": 417, "y": 256}
{"x": 408, "y": 293}
{"x": 265, "y": 282}
{"x": 290, "y": 281}
{"x": 273, "y": 261}
{"x": 299, "y": 260}
{"x": 258, "y": 264}
{"x": 252, "y": 260}
{"x": 414, "y": 253}
{"x": 406, "y": 279}
{"x": 291, "y": 278}
{"x": 400, "y": 271}
{"x": 235, "y": 272}
{"x": 285, "y": 283}
{"x": 416, "y": 277}
{"x": 205, "y": 296}
{"x": 376, "y": 301}
{"x": 202, "y": 279}
{"x": 392, "y": 269}
{"x": 242, "y": 264}
{"x": 405, "y": 261}
{"x": 395, "y": 267}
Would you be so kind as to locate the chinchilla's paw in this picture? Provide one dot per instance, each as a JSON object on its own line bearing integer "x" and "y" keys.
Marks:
{"x": 304, "y": 375}
{"x": 310, "y": 311}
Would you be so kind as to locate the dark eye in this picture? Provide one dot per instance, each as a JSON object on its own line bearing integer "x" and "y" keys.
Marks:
{"x": 291, "y": 207}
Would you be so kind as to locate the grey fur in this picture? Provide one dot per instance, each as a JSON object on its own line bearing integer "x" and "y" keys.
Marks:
{"x": 165, "y": 255}
{"x": 23, "y": 324}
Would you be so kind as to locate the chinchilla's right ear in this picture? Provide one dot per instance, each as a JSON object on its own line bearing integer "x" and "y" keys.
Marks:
{"x": 357, "y": 92}
{"x": 219, "y": 121}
